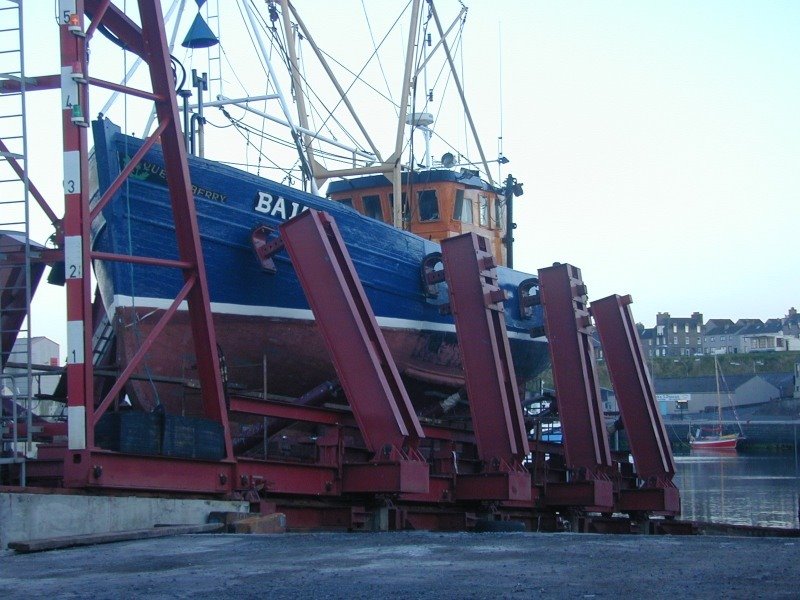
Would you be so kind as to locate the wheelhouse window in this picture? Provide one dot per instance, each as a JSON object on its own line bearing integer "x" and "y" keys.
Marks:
{"x": 462, "y": 209}
{"x": 346, "y": 202}
{"x": 483, "y": 212}
{"x": 405, "y": 206}
{"x": 428, "y": 205}
{"x": 499, "y": 214}
{"x": 372, "y": 207}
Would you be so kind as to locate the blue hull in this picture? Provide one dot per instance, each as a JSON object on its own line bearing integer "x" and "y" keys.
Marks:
{"x": 262, "y": 317}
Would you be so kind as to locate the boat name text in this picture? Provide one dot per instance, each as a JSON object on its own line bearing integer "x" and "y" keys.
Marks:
{"x": 155, "y": 173}
{"x": 276, "y": 207}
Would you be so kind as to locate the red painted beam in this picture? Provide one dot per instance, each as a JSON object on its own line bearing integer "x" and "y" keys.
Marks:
{"x": 567, "y": 323}
{"x": 652, "y": 453}
{"x": 154, "y": 42}
{"x": 356, "y": 344}
{"x": 116, "y": 21}
{"x": 476, "y": 305}
{"x": 292, "y": 412}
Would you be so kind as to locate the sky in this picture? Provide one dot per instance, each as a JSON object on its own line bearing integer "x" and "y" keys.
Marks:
{"x": 658, "y": 142}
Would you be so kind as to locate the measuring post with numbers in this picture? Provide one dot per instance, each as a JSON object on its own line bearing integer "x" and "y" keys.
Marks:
{"x": 74, "y": 107}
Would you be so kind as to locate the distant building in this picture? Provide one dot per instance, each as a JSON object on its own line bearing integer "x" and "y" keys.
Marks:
{"x": 44, "y": 353}
{"x": 699, "y": 394}
{"x": 763, "y": 337}
{"x": 719, "y": 337}
{"x": 674, "y": 336}
{"x": 690, "y": 336}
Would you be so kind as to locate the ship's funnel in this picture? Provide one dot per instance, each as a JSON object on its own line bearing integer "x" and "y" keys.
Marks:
{"x": 199, "y": 35}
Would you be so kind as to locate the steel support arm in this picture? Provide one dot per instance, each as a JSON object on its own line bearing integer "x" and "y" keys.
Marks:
{"x": 567, "y": 323}
{"x": 622, "y": 349}
{"x": 476, "y": 302}
{"x": 356, "y": 344}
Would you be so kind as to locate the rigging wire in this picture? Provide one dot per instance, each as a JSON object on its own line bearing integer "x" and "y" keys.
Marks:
{"x": 375, "y": 49}
{"x": 357, "y": 76}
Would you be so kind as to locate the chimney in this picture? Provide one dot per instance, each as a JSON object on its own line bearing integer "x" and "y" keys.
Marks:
{"x": 662, "y": 318}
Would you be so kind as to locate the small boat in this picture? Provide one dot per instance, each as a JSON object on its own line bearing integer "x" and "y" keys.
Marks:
{"x": 706, "y": 441}
{"x": 713, "y": 437}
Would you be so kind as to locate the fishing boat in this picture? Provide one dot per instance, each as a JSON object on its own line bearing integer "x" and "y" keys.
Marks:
{"x": 265, "y": 328}
{"x": 712, "y": 437}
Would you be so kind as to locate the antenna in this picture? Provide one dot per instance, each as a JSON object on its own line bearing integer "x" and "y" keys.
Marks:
{"x": 500, "y": 157}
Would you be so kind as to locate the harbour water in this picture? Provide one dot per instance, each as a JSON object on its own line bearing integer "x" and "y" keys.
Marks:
{"x": 739, "y": 488}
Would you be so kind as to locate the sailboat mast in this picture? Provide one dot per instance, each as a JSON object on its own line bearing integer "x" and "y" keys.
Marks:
{"x": 719, "y": 400}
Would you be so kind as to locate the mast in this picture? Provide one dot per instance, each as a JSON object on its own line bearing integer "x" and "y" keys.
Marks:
{"x": 297, "y": 83}
{"x": 719, "y": 400}
{"x": 342, "y": 94}
{"x": 460, "y": 88}
{"x": 397, "y": 213}
{"x": 281, "y": 98}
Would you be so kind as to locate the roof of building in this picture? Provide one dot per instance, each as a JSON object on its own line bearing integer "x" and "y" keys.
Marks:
{"x": 648, "y": 333}
{"x": 784, "y": 382}
{"x": 721, "y": 327}
{"x": 771, "y": 326}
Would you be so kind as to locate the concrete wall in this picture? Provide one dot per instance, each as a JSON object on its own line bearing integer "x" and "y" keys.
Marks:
{"x": 28, "y": 516}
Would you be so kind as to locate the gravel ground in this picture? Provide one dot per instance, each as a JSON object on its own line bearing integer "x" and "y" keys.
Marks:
{"x": 411, "y": 565}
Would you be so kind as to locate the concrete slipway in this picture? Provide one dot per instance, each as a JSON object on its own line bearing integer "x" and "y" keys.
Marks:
{"x": 412, "y": 565}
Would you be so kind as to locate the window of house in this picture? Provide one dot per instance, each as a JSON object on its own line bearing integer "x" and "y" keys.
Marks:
{"x": 686, "y": 328}
{"x": 674, "y": 328}
{"x": 462, "y": 209}
{"x": 372, "y": 207}
{"x": 483, "y": 211}
{"x": 428, "y": 205}
{"x": 712, "y": 338}
{"x": 675, "y": 340}
{"x": 698, "y": 341}
{"x": 651, "y": 343}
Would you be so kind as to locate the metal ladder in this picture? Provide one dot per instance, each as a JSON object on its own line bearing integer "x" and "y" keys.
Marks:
{"x": 15, "y": 247}
{"x": 214, "y": 52}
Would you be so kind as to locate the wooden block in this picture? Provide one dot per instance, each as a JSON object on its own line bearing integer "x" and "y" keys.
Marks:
{"x": 228, "y": 518}
{"x": 274, "y": 523}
